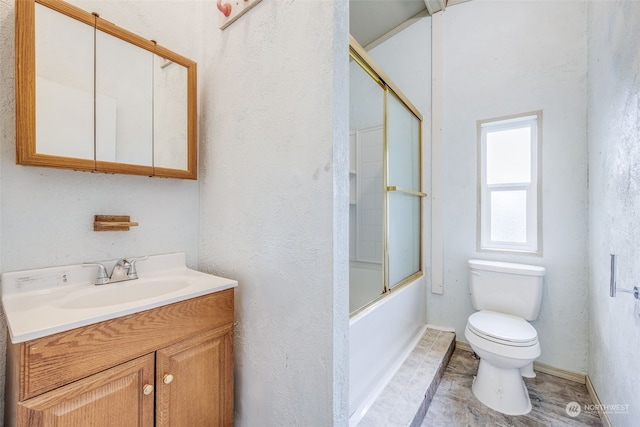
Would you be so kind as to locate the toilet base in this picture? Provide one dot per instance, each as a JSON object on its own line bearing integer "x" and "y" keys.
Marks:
{"x": 501, "y": 389}
{"x": 527, "y": 371}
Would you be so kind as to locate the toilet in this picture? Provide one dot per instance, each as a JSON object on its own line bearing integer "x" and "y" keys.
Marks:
{"x": 506, "y": 296}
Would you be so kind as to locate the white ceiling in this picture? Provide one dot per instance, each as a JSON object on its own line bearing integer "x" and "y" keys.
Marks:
{"x": 372, "y": 21}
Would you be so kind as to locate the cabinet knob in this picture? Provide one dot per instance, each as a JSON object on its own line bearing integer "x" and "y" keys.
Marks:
{"x": 147, "y": 389}
{"x": 167, "y": 378}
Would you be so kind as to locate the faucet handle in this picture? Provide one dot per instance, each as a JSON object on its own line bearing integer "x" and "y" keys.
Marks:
{"x": 122, "y": 263}
{"x": 133, "y": 273}
{"x": 102, "y": 277}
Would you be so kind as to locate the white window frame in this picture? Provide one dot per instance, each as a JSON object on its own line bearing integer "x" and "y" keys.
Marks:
{"x": 533, "y": 243}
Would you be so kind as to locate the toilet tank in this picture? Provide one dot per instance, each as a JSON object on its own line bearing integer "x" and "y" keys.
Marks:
{"x": 505, "y": 287}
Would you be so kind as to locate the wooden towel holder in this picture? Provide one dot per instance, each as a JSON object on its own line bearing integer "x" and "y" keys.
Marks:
{"x": 113, "y": 223}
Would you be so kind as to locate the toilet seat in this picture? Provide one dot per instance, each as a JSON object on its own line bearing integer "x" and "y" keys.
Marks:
{"x": 503, "y": 329}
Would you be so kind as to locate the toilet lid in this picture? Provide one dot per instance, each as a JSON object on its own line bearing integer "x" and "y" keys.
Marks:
{"x": 503, "y": 327}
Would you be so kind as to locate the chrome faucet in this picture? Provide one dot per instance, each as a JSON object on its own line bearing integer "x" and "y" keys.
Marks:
{"x": 123, "y": 270}
{"x": 120, "y": 271}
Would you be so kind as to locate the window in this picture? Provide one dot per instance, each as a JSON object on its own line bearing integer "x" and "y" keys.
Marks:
{"x": 509, "y": 166}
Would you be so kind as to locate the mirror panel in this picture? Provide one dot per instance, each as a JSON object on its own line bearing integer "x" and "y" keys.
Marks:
{"x": 170, "y": 116}
{"x": 124, "y": 101}
{"x": 63, "y": 84}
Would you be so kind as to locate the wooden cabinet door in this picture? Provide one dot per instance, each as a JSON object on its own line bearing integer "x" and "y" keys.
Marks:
{"x": 114, "y": 397}
{"x": 194, "y": 381}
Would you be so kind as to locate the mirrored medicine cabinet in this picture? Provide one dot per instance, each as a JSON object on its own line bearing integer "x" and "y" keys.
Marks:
{"x": 92, "y": 96}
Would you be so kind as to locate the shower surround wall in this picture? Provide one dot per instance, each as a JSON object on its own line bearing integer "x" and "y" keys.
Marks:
{"x": 614, "y": 203}
{"x": 503, "y": 58}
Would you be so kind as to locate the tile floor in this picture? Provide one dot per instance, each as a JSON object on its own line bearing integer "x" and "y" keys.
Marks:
{"x": 405, "y": 398}
{"x": 454, "y": 405}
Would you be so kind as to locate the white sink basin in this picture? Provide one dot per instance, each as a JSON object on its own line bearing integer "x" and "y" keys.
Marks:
{"x": 121, "y": 293}
{"x": 45, "y": 301}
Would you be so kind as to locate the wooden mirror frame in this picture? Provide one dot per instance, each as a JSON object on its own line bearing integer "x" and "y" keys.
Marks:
{"x": 25, "y": 80}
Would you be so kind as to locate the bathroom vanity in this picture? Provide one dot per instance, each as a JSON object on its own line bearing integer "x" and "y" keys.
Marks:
{"x": 168, "y": 365}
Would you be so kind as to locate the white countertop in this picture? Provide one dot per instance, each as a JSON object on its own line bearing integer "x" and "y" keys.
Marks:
{"x": 42, "y": 302}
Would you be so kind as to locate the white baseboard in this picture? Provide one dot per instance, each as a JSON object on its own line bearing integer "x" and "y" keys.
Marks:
{"x": 597, "y": 403}
{"x": 557, "y": 372}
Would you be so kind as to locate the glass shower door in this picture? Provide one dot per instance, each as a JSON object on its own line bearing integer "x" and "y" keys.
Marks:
{"x": 366, "y": 208}
{"x": 403, "y": 192}
{"x": 385, "y": 228}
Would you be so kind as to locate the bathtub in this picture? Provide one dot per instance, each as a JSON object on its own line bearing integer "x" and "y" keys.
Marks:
{"x": 380, "y": 338}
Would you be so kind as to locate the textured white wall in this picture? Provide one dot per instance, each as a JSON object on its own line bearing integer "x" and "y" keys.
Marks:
{"x": 274, "y": 205}
{"x": 614, "y": 203}
{"x": 503, "y": 58}
{"x": 406, "y": 59}
{"x": 47, "y": 214}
